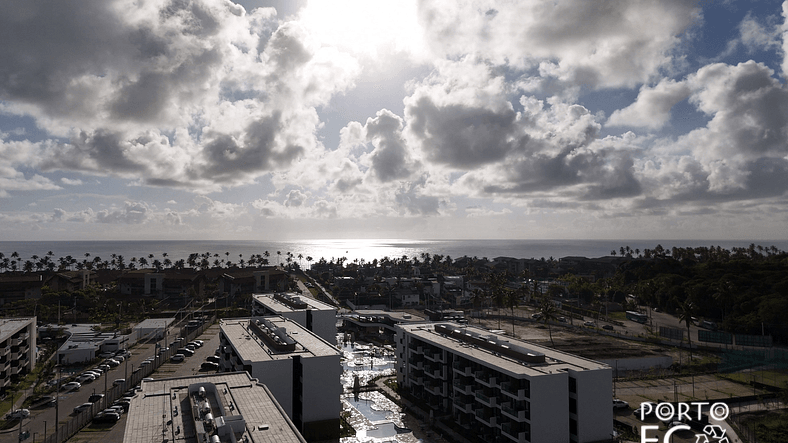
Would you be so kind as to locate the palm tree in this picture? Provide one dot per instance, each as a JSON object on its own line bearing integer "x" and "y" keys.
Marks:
{"x": 512, "y": 300}
{"x": 686, "y": 313}
{"x": 549, "y": 313}
{"x": 478, "y": 301}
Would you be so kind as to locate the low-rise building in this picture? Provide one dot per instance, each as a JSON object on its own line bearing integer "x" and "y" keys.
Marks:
{"x": 152, "y": 329}
{"x": 208, "y": 408}
{"x": 300, "y": 368}
{"x": 505, "y": 389}
{"x": 85, "y": 343}
{"x": 17, "y": 348}
{"x": 316, "y": 316}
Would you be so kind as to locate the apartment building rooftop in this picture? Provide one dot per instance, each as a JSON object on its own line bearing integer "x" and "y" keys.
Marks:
{"x": 282, "y": 302}
{"x": 9, "y": 326}
{"x": 273, "y": 338}
{"x": 226, "y": 408}
{"x": 506, "y": 353}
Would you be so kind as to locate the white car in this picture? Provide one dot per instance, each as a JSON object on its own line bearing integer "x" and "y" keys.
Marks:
{"x": 83, "y": 407}
{"x": 86, "y": 378}
{"x": 71, "y": 386}
{"x": 589, "y": 324}
{"x": 619, "y": 404}
{"x": 18, "y": 414}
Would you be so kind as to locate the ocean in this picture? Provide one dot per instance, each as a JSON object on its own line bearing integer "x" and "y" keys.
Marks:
{"x": 352, "y": 249}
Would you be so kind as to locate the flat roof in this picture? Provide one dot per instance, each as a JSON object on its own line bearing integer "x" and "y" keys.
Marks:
{"x": 404, "y": 317}
{"x": 153, "y": 416}
{"x": 251, "y": 347}
{"x": 9, "y": 326}
{"x": 153, "y": 323}
{"x": 270, "y": 301}
{"x": 554, "y": 360}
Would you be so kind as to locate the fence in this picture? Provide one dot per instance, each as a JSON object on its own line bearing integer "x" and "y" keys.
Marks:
{"x": 67, "y": 430}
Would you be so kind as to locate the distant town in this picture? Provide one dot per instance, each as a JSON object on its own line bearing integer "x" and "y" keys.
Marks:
{"x": 464, "y": 349}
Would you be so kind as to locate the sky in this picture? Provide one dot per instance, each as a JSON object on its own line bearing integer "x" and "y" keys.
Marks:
{"x": 442, "y": 119}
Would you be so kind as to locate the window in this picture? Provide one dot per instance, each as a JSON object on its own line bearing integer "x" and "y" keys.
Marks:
{"x": 572, "y": 426}
{"x": 573, "y": 385}
{"x": 573, "y": 405}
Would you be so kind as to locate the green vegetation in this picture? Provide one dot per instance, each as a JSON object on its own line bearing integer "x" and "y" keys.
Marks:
{"x": 768, "y": 427}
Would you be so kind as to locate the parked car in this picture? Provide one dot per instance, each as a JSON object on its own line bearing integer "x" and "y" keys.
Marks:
{"x": 107, "y": 417}
{"x": 536, "y": 316}
{"x": 123, "y": 403}
{"x": 86, "y": 378}
{"x": 83, "y": 407}
{"x": 107, "y": 354}
{"x": 562, "y": 319}
{"x": 119, "y": 358}
{"x": 104, "y": 367}
{"x": 199, "y": 343}
{"x": 95, "y": 398}
{"x": 18, "y": 414}
{"x": 608, "y": 327}
{"x": 119, "y": 382}
{"x": 619, "y": 404}
{"x": 112, "y": 362}
{"x": 209, "y": 366}
{"x": 71, "y": 386}
{"x": 214, "y": 359}
{"x": 589, "y": 324}
{"x": 186, "y": 352}
{"x": 177, "y": 358}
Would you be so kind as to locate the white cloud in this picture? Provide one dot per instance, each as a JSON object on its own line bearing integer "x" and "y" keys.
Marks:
{"x": 71, "y": 182}
{"x": 652, "y": 108}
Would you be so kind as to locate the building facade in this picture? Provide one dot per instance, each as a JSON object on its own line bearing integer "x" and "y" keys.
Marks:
{"x": 301, "y": 369}
{"x": 316, "y": 316}
{"x": 17, "y": 349}
{"x": 504, "y": 389}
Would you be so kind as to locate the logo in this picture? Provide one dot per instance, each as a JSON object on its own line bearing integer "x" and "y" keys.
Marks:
{"x": 677, "y": 418}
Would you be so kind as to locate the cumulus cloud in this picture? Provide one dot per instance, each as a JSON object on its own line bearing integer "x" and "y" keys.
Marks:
{"x": 71, "y": 182}
{"x": 596, "y": 44}
{"x": 230, "y": 95}
{"x": 652, "y": 107}
{"x": 131, "y": 213}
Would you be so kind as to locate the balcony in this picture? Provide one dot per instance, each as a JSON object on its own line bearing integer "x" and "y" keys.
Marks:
{"x": 5, "y": 351}
{"x": 463, "y": 405}
{"x": 416, "y": 379}
{"x": 485, "y": 398}
{"x": 486, "y": 378}
{"x": 416, "y": 365}
{"x": 416, "y": 349}
{"x": 515, "y": 414}
{"x": 462, "y": 387}
{"x": 436, "y": 356}
{"x": 434, "y": 371}
{"x": 517, "y": 394}
{"x": 485, "y": 416}
{"x": 435, "y": 388}
{"x": 462, "y": 368}
{"x": 512, "y": 431}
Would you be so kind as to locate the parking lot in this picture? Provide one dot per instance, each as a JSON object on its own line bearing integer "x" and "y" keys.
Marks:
{"x": 42, "y": 419}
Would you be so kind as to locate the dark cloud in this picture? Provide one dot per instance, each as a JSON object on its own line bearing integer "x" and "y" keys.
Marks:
{"x": 390, "y": 158}
{"x": 464, "y": 137}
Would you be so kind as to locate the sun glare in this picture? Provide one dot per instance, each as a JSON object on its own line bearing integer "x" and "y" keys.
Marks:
{"x": 364, "y": 26}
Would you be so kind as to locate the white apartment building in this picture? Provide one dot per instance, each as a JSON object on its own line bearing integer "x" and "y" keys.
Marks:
{"x": 501, "y": 388}
{"x": 316, "y": 316}
{"x": 225, "y": 408}
{"x": 17, "y": 348}
{"x": 301, "y": 369}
